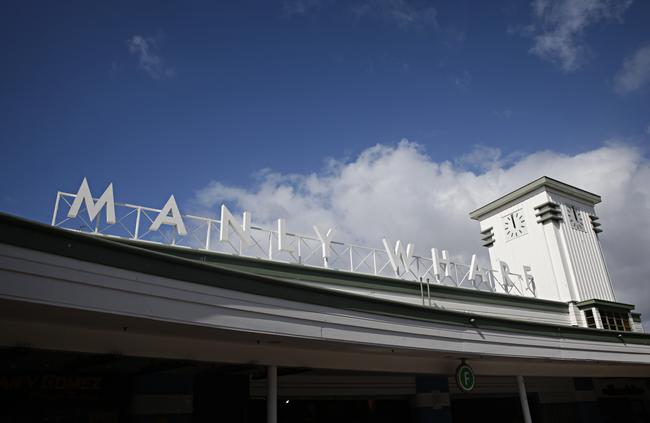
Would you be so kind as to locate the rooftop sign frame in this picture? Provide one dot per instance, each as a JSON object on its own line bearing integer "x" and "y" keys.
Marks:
{"x": 83, "y": 212}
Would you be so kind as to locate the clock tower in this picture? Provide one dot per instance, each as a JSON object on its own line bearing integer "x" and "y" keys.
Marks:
{"x": 551, "y": 227}
{"x": 549, "y": 230}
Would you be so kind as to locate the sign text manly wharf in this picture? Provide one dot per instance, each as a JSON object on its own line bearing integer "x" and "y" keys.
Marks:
{"x": 169, "y": 226}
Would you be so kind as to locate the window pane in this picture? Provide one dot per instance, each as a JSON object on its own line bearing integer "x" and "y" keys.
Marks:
{"x": 614, "y": 321}
{"x": 589, "y": 317}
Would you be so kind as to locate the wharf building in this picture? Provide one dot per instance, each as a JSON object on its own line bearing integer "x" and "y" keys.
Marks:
{"x": 117, "y": 312}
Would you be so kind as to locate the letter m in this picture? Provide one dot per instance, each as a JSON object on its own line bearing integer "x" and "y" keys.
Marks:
{"x": 93, "y": 208}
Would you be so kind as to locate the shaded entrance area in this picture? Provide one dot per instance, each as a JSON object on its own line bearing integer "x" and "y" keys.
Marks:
{"x": 59, "y": 386}
{"x": 56, "y": 386}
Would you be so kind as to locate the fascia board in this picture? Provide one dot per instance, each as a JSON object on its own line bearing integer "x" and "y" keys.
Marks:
{"x": 543, "y": 182}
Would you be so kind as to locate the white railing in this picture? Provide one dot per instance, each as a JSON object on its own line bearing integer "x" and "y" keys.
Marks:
{"x": 133, "y": 222}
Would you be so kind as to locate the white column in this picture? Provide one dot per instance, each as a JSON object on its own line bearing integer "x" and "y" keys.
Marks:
{"x": 272, "y": 394}
{"x": 524, "y": 400}
{"x": 598, "y": 318}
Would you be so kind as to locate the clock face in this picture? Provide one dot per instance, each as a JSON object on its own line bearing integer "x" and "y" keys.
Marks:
{"x": 514, "y": 225}
{"x": 575, "y": 218}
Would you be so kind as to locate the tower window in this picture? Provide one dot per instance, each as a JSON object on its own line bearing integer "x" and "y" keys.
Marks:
{"x": 591, "y": 321}
{"x": 615, "y": 321}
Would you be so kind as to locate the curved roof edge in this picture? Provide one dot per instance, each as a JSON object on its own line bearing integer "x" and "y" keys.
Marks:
{"x": 86, "y": 247}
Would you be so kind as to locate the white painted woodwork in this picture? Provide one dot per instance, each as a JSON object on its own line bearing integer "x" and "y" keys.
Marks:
{"x": 35, "y": 277}
{"x": 567, "y": 264}
{"x": 467, "y": 305}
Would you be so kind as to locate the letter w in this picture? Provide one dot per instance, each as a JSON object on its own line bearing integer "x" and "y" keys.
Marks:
{"x": 398, "y": 257}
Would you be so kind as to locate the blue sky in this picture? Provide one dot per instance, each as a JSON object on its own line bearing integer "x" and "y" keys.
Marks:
{"x": 163, "y": 97}
{"x": 382, "y": 117}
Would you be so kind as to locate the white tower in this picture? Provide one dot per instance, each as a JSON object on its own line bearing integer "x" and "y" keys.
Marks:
{"x": 552, "y": 227}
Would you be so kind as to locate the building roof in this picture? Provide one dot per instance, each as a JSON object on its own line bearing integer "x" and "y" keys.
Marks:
{"x": 543, "y": 182}
{"x": 275, "y": 280}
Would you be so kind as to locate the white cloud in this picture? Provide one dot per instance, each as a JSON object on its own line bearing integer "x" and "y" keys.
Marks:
{"x": 635, "y": 72}
{"x": 403, "y": 193}
{"x": 504, "y": 114}
{"x": 299, "y": 7}
{"x": 483, "y": 158}
{"x": 149, "y": 61}
{"x": 399, "y": 12}
{"x": 559, "y": 27}
{"x": 463, "y": 81}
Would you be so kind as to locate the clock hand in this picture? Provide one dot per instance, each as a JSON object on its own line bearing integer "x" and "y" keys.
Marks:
{"x": 512, "y": 218}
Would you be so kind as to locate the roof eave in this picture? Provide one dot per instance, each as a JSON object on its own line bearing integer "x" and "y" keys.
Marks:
{"x": 543, "y": 182}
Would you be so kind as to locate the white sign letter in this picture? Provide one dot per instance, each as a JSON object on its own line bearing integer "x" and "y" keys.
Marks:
{"x": 283, "y": 242}
{"x": 439, "y": 261}
{"x": 530, "y": 280}
{"x": 243, "y": 231}
{"x": 505, "y": 275}
{"x": 474, "y": 270}
{"x": 397, "y": 255}
{"x": 164, "y": 218}
{"x": 84, "y": 196}
{"x": 326, "y": 240}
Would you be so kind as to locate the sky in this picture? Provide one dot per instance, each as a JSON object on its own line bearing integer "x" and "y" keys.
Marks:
{"x": 387, "y": 117}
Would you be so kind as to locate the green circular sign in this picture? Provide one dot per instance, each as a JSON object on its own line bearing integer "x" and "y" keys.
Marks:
{"x": 465, "y": 378}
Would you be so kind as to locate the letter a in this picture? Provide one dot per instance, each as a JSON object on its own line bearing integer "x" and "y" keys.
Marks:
{"x": 474, "y": 270}
{"x": 164, "y": 218}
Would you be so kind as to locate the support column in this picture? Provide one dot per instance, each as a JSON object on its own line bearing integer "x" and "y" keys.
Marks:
{"x": 586, "y": 401}
{"x": 524, "y": 399}
{"x": 431, "y": 403}
{"x": 272, "y": 394}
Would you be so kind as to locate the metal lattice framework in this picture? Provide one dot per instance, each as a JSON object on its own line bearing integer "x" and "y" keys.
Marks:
{"x": 133, "y": 222}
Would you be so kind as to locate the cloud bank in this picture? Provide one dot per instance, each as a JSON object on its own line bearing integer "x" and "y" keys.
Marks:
{"x": 559, "y": 27}
{"x": 401, "y": 192}
{"x": 635, "y": 72}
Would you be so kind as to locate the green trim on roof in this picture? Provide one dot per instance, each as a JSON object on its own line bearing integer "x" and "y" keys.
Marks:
{"x": 297, "y": 272}
{"x": 543, "y": 182}
{"x": 100, "y": 250}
